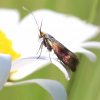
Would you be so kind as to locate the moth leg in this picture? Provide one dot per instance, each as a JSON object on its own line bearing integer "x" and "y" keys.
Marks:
{"x": 41, "y": 46}
{"x": 66, "y": 67}
{"x": 49, "y": 56}
{"x": 38, "y": 36}
{"x": 57, "y": 59}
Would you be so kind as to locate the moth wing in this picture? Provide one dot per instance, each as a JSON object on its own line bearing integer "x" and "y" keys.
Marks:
{"x": 64, "y": 54}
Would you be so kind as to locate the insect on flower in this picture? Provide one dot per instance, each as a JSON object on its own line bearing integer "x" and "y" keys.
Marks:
{"x": 65, "y": 56}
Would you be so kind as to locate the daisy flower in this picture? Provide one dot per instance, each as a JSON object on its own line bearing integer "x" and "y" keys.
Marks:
{"x": 69, "y": 30}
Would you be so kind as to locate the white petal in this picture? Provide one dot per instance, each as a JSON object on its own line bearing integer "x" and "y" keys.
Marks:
{"x": 69, "y": 28}
{"x": 85, "y": 32}
{"x": 91, "y": 44}
{"x": 54, "y": 88}
{"x": 89, "y": 54}
{"x": 5, "y": 64}
{"x": 66, "y": 70}
{"x": 25, "y": 67}
{"x": 8, "y": 21}
{"x": 28, "y": 65}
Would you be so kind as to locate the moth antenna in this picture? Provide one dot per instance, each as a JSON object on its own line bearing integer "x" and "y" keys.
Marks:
{"x": 41, "y": 25}
{"x": 34, "y": 18}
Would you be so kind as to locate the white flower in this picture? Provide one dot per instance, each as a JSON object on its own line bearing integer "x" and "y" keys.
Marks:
{"x": 4, "y": 68}
{"x": 69, "y": 30}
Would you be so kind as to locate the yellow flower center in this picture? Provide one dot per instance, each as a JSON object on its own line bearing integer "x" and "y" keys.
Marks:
{"x": 6, "y": 46}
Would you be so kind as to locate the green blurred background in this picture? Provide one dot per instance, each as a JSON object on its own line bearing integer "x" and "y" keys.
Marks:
{"x": 85, "y": 82}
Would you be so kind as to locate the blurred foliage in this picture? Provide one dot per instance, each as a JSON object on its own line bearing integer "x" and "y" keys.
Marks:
{"x": 85, "y": 82}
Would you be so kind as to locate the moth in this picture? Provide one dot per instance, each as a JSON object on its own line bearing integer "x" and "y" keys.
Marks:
{"x": 65, "y": 56}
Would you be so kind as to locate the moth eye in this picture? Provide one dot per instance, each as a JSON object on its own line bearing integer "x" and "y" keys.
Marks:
{"x": 41, "y": 35}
